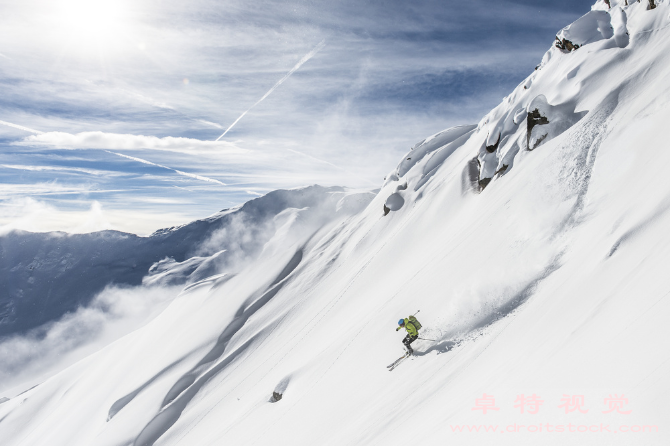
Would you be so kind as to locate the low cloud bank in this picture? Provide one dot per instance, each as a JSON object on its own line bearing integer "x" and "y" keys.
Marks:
{"x": 29, "y": 214}
{"x": 28, "y": 359}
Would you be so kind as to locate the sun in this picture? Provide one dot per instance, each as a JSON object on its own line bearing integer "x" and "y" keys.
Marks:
{"x": 92, "y": 22}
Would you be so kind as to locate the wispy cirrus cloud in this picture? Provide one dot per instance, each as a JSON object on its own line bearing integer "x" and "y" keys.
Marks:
{"x": 43, "y": 168}
{"x": 10, "y": 190}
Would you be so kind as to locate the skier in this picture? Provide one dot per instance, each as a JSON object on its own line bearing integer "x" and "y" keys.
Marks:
{"x": 409, "y": 324}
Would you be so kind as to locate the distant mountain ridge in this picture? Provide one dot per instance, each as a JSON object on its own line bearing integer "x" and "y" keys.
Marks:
{"x": 45, "y": 275}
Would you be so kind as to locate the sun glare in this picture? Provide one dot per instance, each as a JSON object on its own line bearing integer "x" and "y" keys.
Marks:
{"x": 98, "y": 22}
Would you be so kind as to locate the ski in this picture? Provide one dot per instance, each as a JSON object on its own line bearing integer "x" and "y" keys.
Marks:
{"x": 395, "y": 366}
{"x": 397, "y": 361}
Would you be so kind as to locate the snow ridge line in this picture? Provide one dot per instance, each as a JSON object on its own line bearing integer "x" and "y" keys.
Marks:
{"x": 287, "y": 353}
{"x": 126, "y": 399}
{"x": 180, "y": 395}
{"x": 268, "y": 359}
{"x": 193, "y": 425}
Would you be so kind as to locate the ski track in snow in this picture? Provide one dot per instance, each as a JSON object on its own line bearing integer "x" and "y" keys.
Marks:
{"x": 589, "y": 139}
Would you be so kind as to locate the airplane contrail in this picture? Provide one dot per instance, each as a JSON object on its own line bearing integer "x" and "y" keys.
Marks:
{"x": 186, "y": 174}
{"x": 307, "y": 57}
{"x": 20, "y": 127}
{"x": 191, "y": 175}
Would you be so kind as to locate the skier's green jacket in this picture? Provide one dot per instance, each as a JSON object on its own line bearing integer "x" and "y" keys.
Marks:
{"x": 409, "y": 326}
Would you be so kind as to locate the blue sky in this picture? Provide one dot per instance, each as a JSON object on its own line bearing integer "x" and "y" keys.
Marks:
{"x": 111, "y": 83}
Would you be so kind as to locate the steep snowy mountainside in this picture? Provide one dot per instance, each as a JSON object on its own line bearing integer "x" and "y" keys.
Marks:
{"x": 45, "y": 275}
{"x": 544, "y": 280}
{"x": 66, "y": 296}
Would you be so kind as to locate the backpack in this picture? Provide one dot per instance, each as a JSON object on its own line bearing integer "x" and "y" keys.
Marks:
{"x": 415, "y": 322}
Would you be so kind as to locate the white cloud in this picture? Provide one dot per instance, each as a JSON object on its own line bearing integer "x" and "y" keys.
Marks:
{"x": 29, "y": 214}
{"x": 116, "y": 311}
{"x": 37, "y": 216}
{"x": 118, "y": 141}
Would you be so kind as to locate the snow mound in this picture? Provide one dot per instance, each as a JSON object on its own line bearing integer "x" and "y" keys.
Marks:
{"x": 591, "y": 27}
{"x": 429, "y": 145}
{"x": 619, "y": 26}
{"x": 394, "y": 201}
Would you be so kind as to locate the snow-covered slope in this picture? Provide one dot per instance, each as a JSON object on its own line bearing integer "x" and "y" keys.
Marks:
{"x": 63, "y": 296}
{"x": 534, "y": 244}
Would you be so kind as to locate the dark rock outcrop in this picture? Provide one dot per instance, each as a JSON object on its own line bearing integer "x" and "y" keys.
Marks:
{"x": 534, "y": 118}
{"x": 565, "y": 45}
{"x": 483, "y": 182}
{"x": 493, "y": 147}
{"x": 502, "y": 170}
{"x": 470, "y": 176}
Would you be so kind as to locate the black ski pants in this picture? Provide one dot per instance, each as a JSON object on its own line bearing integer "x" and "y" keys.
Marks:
{"x": 408, "y": 340}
